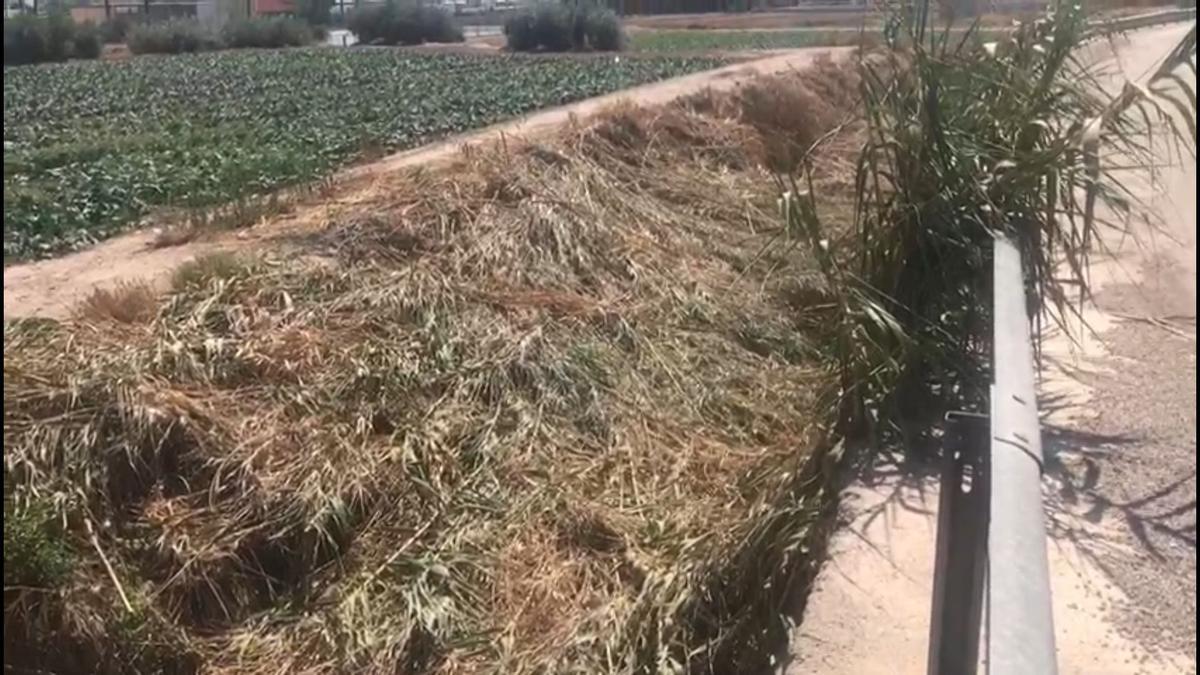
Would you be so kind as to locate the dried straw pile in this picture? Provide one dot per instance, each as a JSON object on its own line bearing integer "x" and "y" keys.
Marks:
{"x": 547, "y": 411}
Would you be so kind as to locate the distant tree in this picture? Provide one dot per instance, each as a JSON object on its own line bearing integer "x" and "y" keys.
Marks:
{"x": 316, "y": 12}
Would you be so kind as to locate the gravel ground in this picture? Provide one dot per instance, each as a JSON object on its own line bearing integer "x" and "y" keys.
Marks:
{"x": 1143, "y": 485}
{"x": 1142, "y": 490}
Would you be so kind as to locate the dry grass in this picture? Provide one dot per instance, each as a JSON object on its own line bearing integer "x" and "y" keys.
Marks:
{"x": 208, "y": 268}
{"x": 551, "y": 411}
{"x": 177, "y": 226}
{"x": 130, "y": 302}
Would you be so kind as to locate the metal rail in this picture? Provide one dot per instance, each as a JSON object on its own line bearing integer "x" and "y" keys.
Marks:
{"x": 1020, "y": 622}
{"x": 991, "y": 545}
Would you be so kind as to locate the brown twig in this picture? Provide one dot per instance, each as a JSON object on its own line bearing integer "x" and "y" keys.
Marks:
{"x": 112, "y": 574}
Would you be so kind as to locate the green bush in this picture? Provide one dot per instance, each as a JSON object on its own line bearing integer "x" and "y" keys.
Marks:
{"x": 518, "y": 32}
{"x": 545, "y": 25}
{"x": 440, "y": 26}
{"x": 59, "y": 30}
{"x": 604, "y": 33}
{"x": 24, "y": 41}
{"x": 188, "y": 35}
{"x": 171, "y": 37}
{"x": 267, "y": 32}
{"x": 36, "y": 552}
{"x": 559, "y": 27}
{"x": 404, "y": 23}
{"x": 33, "y": 39}
{"x": 87, "y": 42}
{"x": 315, "y": 12}
{"x": 116, "y": 29}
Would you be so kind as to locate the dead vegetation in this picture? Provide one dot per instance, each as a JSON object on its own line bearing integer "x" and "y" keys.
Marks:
{"x": 177, "y": 226}
{"x": 128, "y": 302}
{"x": 552, "y": 410}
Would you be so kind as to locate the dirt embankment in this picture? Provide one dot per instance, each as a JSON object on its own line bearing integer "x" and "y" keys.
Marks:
{"x": 530, "y": 408}
{"x": 52, "y": 287}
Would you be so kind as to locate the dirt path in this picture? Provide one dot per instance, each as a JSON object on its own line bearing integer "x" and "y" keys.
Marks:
{"x": 1120, "y": 439}
{"x": 51, "y": 288}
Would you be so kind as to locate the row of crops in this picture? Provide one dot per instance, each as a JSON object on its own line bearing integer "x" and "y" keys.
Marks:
{"x": 89, "y": 147}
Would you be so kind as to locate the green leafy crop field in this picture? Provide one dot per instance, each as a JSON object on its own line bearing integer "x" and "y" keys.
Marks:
{"x": 91, "y": 146}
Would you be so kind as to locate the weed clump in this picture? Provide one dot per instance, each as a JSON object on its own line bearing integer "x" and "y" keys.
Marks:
{"x": 36, "y": 552}
{"x": 129, "y": 303}
{"x": 209, "y": 267}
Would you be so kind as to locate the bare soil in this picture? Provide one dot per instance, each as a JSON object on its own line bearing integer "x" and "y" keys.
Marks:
{"x": 119, "y": 52}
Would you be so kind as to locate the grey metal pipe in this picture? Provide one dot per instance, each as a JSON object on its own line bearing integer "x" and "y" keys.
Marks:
{"x": 1020, "y": 623}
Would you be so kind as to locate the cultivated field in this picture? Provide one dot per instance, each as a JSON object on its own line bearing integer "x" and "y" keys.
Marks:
{"x": 89, "y": 146}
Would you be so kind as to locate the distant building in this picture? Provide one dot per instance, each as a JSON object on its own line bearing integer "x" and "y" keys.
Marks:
{"x": 260, "y": 7}
{"x": 206, "y": 11}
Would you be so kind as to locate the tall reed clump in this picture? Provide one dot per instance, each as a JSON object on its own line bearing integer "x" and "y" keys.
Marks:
{"x": 966, "y": 142}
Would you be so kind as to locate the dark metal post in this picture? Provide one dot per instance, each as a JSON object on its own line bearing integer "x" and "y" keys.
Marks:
{"x": 960, "y": 562}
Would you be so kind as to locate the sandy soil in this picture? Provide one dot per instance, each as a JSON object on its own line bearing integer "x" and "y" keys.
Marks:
{"x": 1120, "y": 439}
{"x": 118, "y": 52}
{"x": 51, "y": 288}
{"x": 1121, "y": 409}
